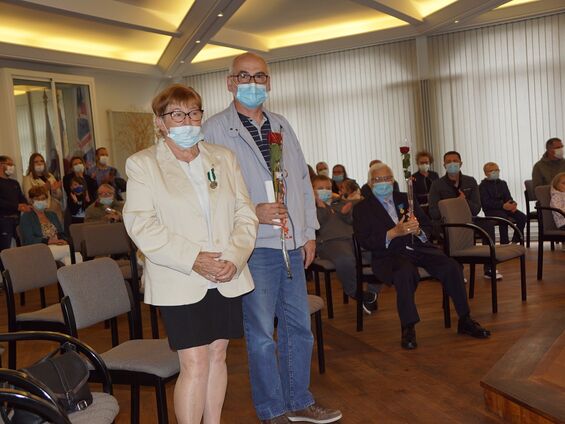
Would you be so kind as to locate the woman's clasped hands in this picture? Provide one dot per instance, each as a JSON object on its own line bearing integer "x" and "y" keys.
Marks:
{"x": 210, "y": 266}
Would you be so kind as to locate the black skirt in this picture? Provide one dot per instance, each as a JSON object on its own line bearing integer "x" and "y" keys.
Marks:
{"x": 214, "y": 317}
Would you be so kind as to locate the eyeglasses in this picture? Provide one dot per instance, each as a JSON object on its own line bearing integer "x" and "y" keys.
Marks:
{"x": 244, "y": 77}
{"x": 179, "y": 116}
{"x": 386, "y": 179}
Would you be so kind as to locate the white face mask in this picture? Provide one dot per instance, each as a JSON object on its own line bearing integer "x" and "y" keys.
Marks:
{"x": 424, "y": 167}
{"x": 78, "y": 168}
{"x": 103, "y": 160}
{"x": 186, "y": 136}
{"x": 324, "y": 172}
{"x": 10, "y": 169}
{"x": 558, "y": 153}
{"x": 39, "y": 169}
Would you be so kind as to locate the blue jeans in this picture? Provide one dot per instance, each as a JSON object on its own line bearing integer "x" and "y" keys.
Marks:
{"x": 279, "y": 371}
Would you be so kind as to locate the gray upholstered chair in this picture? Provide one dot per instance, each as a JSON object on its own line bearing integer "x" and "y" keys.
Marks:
{"x": 459, "y": 243}
{"x": 26, "y": 268}
{"x": 95, "y": 291}
{"x": 547, "y": 231}
{"x": 316, "y": 304}
{"x": 112, "y": 240}
{"x": 104, "y": 408}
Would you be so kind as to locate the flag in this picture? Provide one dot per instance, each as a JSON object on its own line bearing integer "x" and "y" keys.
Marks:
{"x": 84, "y": 126}
{"x": 51, "y": 156}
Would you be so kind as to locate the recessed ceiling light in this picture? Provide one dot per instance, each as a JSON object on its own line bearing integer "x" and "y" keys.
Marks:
{"x": 220, "y": 15}
{"x": 182, "y": 61}
{"x": 197, "y": 41}
{"x": 456, "y": 21}
{"x": 169, "y": 76}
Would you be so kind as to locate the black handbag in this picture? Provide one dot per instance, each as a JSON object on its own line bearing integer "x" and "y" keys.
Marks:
{"x": 66, "y": 375}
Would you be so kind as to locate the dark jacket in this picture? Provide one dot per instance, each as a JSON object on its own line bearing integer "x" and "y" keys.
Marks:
{"x": 10, "y": 197}
{"x": 30, "y": 227}
{"x": 371, "y": 222}
{"x": 444, "y": 188}
{"x": 422, "y": 184}
{"x": 334, "y": 225}
{"x": 545, "y": 169}
{"x": 494, "y": 194}
{"x": 91, "y": 185}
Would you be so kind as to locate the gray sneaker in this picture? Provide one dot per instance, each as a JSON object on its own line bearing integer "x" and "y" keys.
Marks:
{"x": 315, "y": 414}
{"x": 281, "y": 419}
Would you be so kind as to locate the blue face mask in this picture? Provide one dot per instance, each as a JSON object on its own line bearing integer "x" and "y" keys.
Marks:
{"x": 40, "y": 205}
{"x": 382, "y": 190}
{"x": 251, "y": 95}
{"x": 186, "y": 136}
{"x": 324, "y": 195}
{"x": 78, "y": 189}
{"x": 337, "y": 178}
{"x": 494, "y": 175}
{"x": 453, "y": 167}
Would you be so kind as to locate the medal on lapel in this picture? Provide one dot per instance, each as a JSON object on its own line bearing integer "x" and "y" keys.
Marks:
{"x": 212, "y": 178}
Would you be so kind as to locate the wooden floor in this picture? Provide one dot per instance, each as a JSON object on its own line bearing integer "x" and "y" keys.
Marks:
{"x": 369, "y": 376}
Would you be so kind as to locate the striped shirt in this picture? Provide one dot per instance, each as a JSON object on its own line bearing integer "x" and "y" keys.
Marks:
{"x": 261, "y": 138}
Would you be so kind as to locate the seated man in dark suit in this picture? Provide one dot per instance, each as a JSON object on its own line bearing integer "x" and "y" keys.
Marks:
{"x": 399, "y": 244}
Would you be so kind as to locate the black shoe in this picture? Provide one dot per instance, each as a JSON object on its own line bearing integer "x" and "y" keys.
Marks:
{"x": 472, "y": 328}
{"x": 370, "y": 302}
{"x": 409, "y": 337}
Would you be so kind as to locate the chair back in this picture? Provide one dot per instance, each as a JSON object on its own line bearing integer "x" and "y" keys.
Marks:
{"x": 543, "y": 195}
{"x": 30, "y": 267}
{"x": 96, "y": 289}
{"x": 456, "y": 211}
{"x": 530, "y": 192}
{"x": 106, "y": 239}
{"x": 76, "y": 232}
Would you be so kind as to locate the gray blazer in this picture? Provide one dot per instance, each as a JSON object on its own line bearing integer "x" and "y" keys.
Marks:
{"x": 225, "y": 128}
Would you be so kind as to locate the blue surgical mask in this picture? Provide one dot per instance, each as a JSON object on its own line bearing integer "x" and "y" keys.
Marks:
{"x": 324, "y": 195}
{"x": 494, "y": 175}
{"x": 251, "y": 95}
{"x": 40, "y": 205}
{"x": 106, "y": 201}
{"x": 186, "y": 136}
{"x": 453, "y": 167}
{"x": 78, "y": 189}
{"x": 382, "y": 190}
{"x": 337, "y": 178}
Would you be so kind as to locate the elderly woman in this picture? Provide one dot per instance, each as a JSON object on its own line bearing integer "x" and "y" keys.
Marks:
{"x": 42, "y": 226}
{"x": 38, "y": 175}
{"x": 106, "y": 208}
{"x": 189, "y": 213}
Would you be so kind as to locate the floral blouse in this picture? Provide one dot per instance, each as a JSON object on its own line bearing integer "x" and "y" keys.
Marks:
{"x": 558, "y": 201}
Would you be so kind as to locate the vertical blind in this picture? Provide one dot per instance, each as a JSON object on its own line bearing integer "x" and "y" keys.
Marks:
{"x": 495, "y": 94}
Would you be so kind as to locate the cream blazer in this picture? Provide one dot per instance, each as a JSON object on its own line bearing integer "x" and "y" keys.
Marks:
{"x": 163, "y": 217}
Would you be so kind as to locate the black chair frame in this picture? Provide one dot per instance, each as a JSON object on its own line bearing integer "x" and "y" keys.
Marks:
{"x": 35, "y": 404}
{"x": 372, "y": 279}
{"x": 320, "y": 342}
{"x": 542, "y": 237}
{"x": 487, "y": 260}
{"x": 132, "y": 378}
{"x": 15, "y": 326}
{"x": 316, "y": 271}
{"x": 530, "y": 216}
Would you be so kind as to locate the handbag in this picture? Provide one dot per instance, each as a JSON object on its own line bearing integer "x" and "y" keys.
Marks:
{"x": 66, "y": 376}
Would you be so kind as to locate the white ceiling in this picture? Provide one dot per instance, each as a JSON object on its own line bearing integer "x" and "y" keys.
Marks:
{"x": 173, "y": 38}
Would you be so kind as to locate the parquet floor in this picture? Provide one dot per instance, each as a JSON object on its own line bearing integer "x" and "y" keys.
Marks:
{"x": 369, "y": 376}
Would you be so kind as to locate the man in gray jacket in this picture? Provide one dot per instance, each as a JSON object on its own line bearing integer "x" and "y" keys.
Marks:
{"x": 279, "y": 371}
{"x": 550, "y": 164}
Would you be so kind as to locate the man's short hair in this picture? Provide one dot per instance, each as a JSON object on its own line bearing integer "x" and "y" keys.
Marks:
{"x": 4, "y": 158}
{"x": 376, "y": 167}
{"x": 486, "y": 165}
{"x": 108, "y": 186}
{"x": 100, "y": 148}
{"x": 451, "y": 152}
{"x": 320, "y": 178}
{"x": 37, "y": 191}
{"x": 549, "y": 142}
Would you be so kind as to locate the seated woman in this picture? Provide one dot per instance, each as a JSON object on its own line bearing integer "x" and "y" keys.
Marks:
{"x": 38, "y": 176}
{"x": 558, "y": 199}
{"x": 78, "y": 170}
{"x": 339, "y": 176}
{"x": 43, "y": 226}
{"x": 106, "y": 208}
{"x": 423, "y": 179}
{"x": 334, "y": 239}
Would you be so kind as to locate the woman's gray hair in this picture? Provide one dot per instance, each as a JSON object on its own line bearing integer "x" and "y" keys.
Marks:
{"x": 376, "y": 167}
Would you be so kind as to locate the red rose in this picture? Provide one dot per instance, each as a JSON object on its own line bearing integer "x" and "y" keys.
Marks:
{"x": 404, "y": 149}
{"x": 274, "y": 138}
